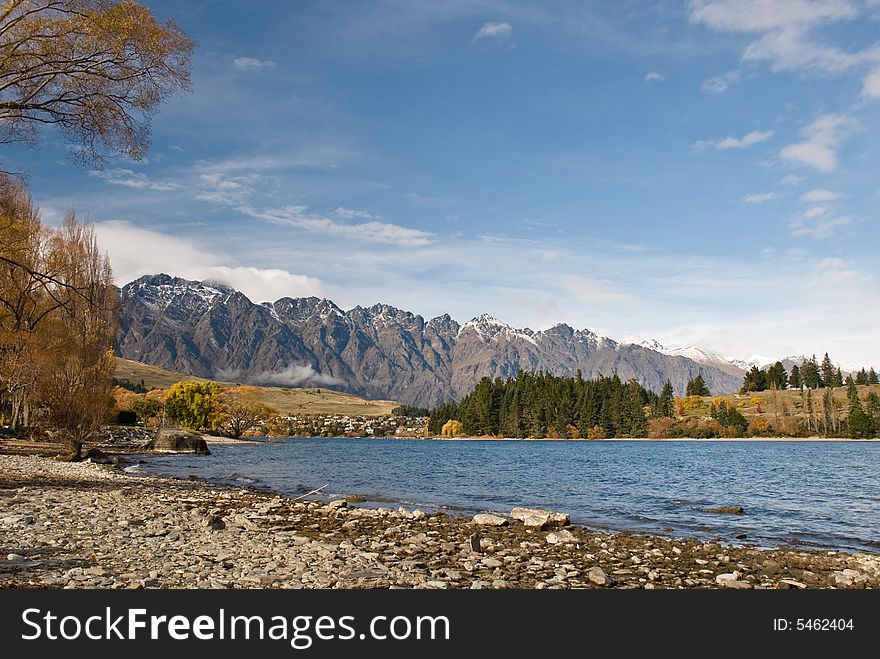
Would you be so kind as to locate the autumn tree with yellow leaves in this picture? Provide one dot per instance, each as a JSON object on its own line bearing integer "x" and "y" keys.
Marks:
{"x": 57, "y": 320}
{"x": 97, "y": 69}
{"x": 241, "y": 410}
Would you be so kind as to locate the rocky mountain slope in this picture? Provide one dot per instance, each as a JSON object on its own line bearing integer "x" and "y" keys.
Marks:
{"x": 212, "y": 331}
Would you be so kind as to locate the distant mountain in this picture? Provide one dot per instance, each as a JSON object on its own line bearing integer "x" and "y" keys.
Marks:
{"x": 763, "y": 362}
{"x": 728, "y": 364}
{"x": 210, "y": 330}
{"x": 699, "y": 355}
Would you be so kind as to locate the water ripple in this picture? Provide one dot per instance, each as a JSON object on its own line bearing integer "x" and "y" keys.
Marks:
{"x": 807, "y": 493}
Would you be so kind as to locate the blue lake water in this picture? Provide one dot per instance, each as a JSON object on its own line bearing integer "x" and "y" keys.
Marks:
{"x": 814, "y": 494}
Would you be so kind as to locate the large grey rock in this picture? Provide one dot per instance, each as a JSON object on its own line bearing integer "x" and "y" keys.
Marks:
{"x": 379, "y": 352}
{"x": 178, "y": 441}
{"x": 541, "y": 519}
{"x": 487, "y": 519}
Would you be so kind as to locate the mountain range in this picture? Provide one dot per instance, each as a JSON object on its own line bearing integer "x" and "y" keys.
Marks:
{"x": 209, "y": 330}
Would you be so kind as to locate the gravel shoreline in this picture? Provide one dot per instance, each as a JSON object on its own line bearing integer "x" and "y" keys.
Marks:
{"x": 81, "y": 525}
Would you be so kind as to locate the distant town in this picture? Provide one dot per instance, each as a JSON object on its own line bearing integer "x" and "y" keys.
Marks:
{"x": 343, "y": 425}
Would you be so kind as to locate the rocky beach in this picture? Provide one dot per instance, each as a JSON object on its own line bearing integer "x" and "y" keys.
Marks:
{"x": 84, "y": 525}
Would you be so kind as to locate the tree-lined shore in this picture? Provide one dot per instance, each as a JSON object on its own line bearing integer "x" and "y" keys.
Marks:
{"x": 540, "y": 405}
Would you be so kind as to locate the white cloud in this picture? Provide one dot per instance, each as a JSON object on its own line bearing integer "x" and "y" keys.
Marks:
{"x": 823, "y": 226}
{"x": 294, "y": 376}
{"x": 721, "y": 83}
{"x": 784, "y": 31}
{"x": 871, "y": 85}
{"x": 130, "y": 179}
{"x": 491, "y": 30}
{"x": 594, "y": 291}
{"x": 252, "y": 64}
{"x": 135, "y": 252}
{"x": 815, "y": 211}
{"x": 822, "y": 138}
{"x": 791, "y": 180}
{"x": 836, "y": 271}
{"x": 791, "y": 49}
{"x": 819, "y": 194}
{"x": 350, "y": 214}
{"x": 371, "y": 231}
{"x": 750, "y": 139}
{"x": 653, "y": 76}
{"x": 758, "y": 198}
{"x": 755, "y": 137}
{"x": 764, "y": 15}
{"x": 225, "y": 189}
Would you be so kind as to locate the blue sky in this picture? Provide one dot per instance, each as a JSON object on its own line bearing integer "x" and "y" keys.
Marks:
{"x": 697, "y": 172}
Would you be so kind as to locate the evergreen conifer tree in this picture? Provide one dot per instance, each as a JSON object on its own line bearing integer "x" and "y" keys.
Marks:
{"x": 872, "y": 408}
{"x": 697, "y": 387}
{"x": 829, "y": 374}
{"x": 852, "y": 392}
{"x": 777, "y": 375}
{"x": 795, "y": 378}
{"x": 664, "y": 404}
{"x": 810, "y": 375}
{"x": 859, "y": 423}
{"x": 754, "y": 380}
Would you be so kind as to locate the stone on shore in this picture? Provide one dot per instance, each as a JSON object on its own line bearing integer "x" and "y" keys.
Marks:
{"x": 541, "y": 519}
{"x": 125, "y": 530}
{"x": 98, "y": 456}
{"x": 178, "y": 441}
{"x": 732, "y": 580}
{"x": 561, "y": 537}
{"x": 487, "y": 519}
{"x": 850, "y": 579}
{"x": 597, "y": 576}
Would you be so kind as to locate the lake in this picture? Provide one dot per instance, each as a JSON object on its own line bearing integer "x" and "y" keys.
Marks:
{"x": 812, "y": 494}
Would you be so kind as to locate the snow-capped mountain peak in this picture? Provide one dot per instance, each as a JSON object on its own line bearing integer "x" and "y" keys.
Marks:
{"x": 488, "y": 328}
{"x": 163, "y": 291}
{"x": 696, "y": 353}
{"x": 653, "y": 344}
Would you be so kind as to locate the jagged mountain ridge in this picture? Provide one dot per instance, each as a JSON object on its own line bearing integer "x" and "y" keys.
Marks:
{"x": 212, "y": 331}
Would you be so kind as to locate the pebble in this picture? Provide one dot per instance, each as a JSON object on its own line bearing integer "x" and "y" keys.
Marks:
{"x": 83, "y": 525}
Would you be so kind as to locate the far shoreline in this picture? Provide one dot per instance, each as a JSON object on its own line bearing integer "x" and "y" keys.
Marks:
{"x": 715, "y": 440}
